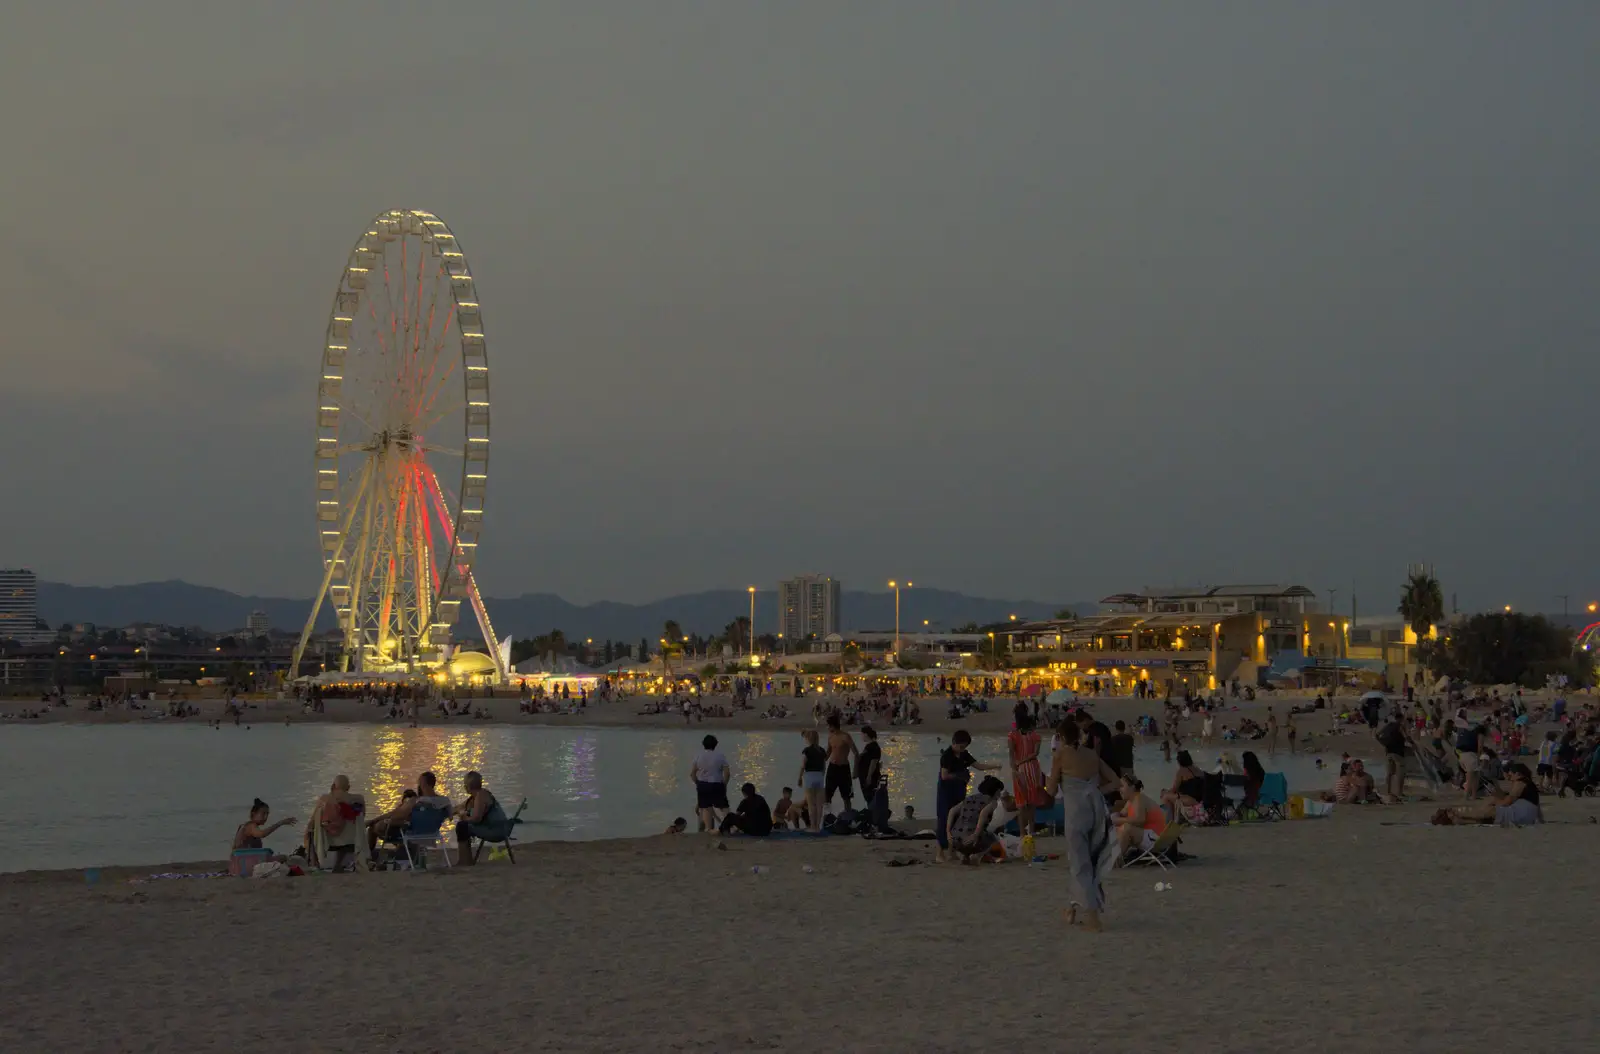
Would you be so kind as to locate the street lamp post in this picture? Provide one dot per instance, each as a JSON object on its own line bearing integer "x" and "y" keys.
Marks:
{"x": 896, "y": 587}
{"x": 750, "y": 630}
{"x": 1563, "y": 597}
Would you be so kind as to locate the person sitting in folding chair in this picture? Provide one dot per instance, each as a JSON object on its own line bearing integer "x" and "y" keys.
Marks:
{"x": 388, "y": 827}
{"x": 480, "y": 816}
{"x": 1140, "y": 822}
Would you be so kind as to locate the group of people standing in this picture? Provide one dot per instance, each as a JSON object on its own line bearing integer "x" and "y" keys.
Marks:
{"x": 824, "y": 773}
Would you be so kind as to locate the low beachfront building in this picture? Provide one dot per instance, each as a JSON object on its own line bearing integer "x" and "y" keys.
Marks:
{"x": 1197, "y": 638}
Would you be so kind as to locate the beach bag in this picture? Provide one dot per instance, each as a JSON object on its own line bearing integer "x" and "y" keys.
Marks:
{"x": 270, "y": 869}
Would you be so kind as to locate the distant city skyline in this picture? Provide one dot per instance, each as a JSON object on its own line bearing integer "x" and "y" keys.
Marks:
{"x": 1038, "y": 300}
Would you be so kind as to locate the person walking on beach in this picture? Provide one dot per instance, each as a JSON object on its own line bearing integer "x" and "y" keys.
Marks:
{"x": 841, "y": 752}
{"x": 1272, "y": 732}
{"x": 955, "y": 763}
{"x": 1081, "y": 777}
{"x": 710, "y": 774}
{"x": 813, "y": 759}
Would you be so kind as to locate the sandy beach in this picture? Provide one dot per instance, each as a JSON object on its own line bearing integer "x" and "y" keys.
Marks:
{"x": 1365, "y": 930}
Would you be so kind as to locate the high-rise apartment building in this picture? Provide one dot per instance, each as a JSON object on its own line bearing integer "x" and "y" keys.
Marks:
{"x": 808, "y": 605}
{"x": 19, "y": 608}
{"x": 258, "y": 624}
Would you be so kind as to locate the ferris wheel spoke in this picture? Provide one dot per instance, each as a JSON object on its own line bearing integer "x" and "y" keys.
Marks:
{"x": 437, "y": 390}
{"x": 435, "y": 349}
{"x": 427, "y": 346}
{"x": 426, "y": 421}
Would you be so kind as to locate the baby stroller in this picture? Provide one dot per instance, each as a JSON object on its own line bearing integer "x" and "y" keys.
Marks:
{"x": 1583, "y": 780}
{"x": 1216, "y": 808}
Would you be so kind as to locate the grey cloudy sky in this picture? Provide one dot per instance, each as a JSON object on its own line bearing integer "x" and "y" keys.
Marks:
{"x": 1037, "y": 300}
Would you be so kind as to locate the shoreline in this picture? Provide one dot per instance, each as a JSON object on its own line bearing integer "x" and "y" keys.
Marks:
{"x": 624, "y": 714}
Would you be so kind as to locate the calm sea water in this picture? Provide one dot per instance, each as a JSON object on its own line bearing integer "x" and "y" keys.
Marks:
{"x": 90, "y": 796}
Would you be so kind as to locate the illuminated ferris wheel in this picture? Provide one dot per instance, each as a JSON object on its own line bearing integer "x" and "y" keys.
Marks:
{"x": 402, "y": 417}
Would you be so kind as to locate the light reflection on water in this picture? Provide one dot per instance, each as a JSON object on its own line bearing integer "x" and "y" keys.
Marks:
{"x": 580, "y": 782}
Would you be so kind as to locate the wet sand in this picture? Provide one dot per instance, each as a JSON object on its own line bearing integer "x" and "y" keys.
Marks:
{"x": 1339, "y": 934}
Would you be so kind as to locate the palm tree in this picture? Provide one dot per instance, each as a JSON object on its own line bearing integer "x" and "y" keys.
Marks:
{"x": 671, "y": 644}
{"x": 736, "y": 634}
{"x": 1421, "y": 604}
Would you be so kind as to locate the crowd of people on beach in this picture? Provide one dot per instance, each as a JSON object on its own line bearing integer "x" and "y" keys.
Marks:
{"x": 1095, "y": 799}
{"x": 1085, "y": 787}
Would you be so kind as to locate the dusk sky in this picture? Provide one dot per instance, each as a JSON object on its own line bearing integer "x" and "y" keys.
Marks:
{"x": 1034, "y": 300}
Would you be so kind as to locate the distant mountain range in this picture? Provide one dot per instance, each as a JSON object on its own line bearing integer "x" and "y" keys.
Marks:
{"x": 179, "y": 603}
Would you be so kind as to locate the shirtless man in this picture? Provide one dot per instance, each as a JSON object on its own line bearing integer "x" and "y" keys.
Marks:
{"x": 841, "y": 753}
{"x": 387, "y": 826}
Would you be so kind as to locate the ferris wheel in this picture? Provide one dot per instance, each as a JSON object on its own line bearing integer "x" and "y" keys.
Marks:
{"x": 402, "y": 418}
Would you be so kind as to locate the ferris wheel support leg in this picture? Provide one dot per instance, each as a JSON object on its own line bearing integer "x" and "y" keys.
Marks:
{"x": 484, "y": 625}
{"x": 327, "y": 579}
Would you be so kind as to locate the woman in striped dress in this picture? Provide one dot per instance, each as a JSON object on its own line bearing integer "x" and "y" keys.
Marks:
{"x": 1027, "y": 780}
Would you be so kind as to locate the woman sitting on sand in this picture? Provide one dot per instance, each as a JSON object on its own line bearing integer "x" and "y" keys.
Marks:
{"x": 251, "y": 833}
{"x": 1188, "y": 787}
{"x": 1517, "y": 807}
{"x": 1140, "y": 822}
{"x": 968, "y": 822}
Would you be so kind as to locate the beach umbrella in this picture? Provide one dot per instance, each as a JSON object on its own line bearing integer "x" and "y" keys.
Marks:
{"x": 1062, "y": 697}
{"x": 1375, "y": 695}
{"x": 1032, "y": 690}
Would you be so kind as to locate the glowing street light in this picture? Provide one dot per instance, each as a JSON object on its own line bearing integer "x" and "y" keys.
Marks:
{"x": 750, "y": 630}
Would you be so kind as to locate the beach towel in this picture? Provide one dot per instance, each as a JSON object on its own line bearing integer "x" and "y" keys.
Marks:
{"x": 352, "y": 835}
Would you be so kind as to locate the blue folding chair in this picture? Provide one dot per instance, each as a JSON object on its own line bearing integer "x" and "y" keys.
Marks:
{"x": 424, "y": 831}
{"x": 1274, "y": 796}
